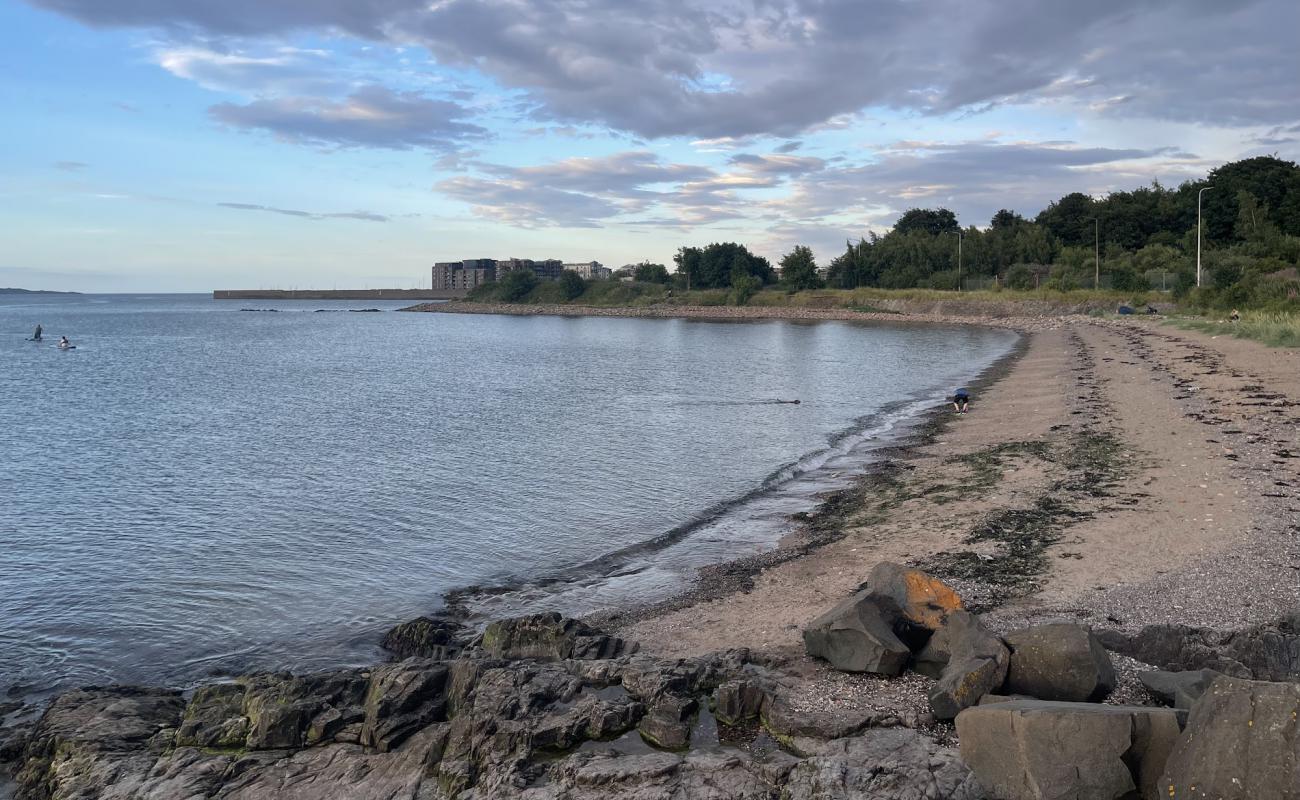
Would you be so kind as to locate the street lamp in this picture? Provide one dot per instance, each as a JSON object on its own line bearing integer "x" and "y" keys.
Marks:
{"x": 1096, "y": 253}
{"x": 959, "y": 238}
{"x": 1198, "y": 233}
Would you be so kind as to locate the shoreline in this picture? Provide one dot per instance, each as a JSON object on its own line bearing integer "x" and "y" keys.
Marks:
{"x": 1116, "y": 474}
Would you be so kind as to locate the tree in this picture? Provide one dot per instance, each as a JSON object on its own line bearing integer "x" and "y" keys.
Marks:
{"x": 516, "y": 285}
{"x": 1020, "y": 277}
{"x": 571, "y": 284}
{"x": 799, "y": 269}
{"x": 933, "y": 221}
{"x": 1006, "y": 220}
{"x": 1069, "y": 219}
{"x": 645, "y": 272}
{"x": 713, "y": 267}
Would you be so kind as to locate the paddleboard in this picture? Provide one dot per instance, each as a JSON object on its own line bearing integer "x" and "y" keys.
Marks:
{"x": 69, "y": 347}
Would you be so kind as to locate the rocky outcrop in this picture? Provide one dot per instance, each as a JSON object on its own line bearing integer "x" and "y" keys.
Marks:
{"x": 1178, "y": 689}
{"x": 882, "y": 764}
{"x": 968, "y": 660}
{"x": 1262, "y": 652}
{"x": 550, "y": 636}
{"x": 424, "y": 637}
{"x": 1242, "y": 743}
{"x": 1059, "y": 661}
{"x": 1038, "y": 750}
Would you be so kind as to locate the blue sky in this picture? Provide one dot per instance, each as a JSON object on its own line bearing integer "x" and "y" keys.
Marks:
{"x": 194, "y": 144}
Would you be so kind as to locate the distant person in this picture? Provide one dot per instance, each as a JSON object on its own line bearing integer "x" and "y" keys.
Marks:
{"x": 1152, "y": 309}
{"x": 36, "y": 335}
{"x": 1235, "y": 316}
{"x": 960, "y": 401}
{"x": 64, "y": 344}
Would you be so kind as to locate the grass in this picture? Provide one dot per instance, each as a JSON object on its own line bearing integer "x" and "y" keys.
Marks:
{"x": 1275, "y": 329}
{"x": 611, "y": 294}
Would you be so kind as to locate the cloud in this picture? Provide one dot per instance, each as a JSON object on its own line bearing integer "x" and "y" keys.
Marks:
{"x": 589, "y": 192}
{"x": 366, "y": 216}
{"x": 975, "y": 178}
{"x": 371, "y": 116}
{"x": 281, "y": 70}
{"x": 733, "y": 68}
{"x": 70, "y": 166}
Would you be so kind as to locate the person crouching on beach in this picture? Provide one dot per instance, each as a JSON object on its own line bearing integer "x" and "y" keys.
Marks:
{"x": 960, "y": 401}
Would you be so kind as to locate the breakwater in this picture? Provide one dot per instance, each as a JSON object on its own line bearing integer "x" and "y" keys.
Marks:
{"x": 337, "y": 294}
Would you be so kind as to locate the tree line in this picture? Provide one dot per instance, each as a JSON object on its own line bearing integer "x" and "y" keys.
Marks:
{"x": 1128, "y": 240}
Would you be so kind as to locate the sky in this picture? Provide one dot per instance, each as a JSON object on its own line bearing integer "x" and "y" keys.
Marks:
{"x": 188, "y": 145}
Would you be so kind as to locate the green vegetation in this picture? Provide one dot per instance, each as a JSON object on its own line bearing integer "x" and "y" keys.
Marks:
{"x": 1078, "y": 250}
{"x": 1275, "y": 329}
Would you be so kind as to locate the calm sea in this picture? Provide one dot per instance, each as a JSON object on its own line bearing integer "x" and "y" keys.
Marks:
{"x": 197, "y": 489}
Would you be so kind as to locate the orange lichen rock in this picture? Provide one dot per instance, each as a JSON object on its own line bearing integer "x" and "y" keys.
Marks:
{"x": 923, "y": 600}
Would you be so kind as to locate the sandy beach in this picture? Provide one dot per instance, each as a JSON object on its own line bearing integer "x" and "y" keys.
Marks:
{"x": 1174, "y": 459}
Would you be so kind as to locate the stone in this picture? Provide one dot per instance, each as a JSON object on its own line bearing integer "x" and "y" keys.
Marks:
{"x": 1268, "y": 652}
{"x": 401, "y": 699}
{"x": 1242, "y": 742}
{"x": 1042, "y": 750}
{"x": 922, "y": 600}
{"x": 882, "y": 764}
{"x": 423, "y": 637}
{"x": 667, "y": 723}
{"x": 858, "y": 636}
{"x": 214, "y": 718}
{"x": 550, "y": 636}
{"x": 1178, "y": 689}
{"x": 737, "y": 701}
{"x": 89, "y": 739}
{"x": 1059, "y": 661}
{"x": 970, "y": 661}
{"x": 788, "y": 721}
{"x": 280, "y": 708}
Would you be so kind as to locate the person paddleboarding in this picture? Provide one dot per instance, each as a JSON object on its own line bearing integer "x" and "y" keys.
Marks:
{"x": 36, "y": 334}
{"x": 64, "y": 344}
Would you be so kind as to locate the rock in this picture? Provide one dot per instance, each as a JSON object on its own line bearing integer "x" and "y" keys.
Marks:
{"x": 737, "y": 701}
{"x": 654, "y": 776}
{"x": 89, "y": 739}
{"x": 550, "y": 636}
{"x": 923, "y": 600}
{"x": 647, "y": 678}
{"x": 280, "y": 708}
{"x": 343, "y": 772}
{"x": 858, "y": 636}
{"x": 882, "y": 764}
{"x": 788, "y": 722}
{"x": 1040, "y": 750}
{"x": 1263, "y": 652}
{"x": 1178, "y": 689}
{"x": 214, "y": 718}
{"x": 667, "y": 723}
{"x": 401, "y": 699}
{"x": 1242, "y": 742}
{"x": 971, "y": 662}
{"x": 423, "y": 637}
{"x": 1059, "y": 661}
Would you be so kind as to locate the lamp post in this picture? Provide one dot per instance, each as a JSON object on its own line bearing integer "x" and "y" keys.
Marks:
{"x": 1096, "y": 253}
{"x": 1203, "y": 190}
{"x": 959, "y": 238}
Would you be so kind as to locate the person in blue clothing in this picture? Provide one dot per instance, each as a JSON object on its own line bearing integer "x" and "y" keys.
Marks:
{"x": 960, "y": 401}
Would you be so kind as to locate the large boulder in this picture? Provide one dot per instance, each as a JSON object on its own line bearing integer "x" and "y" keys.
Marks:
{"x": 1040, "y": 750}
{"x": 968, "y": 660}
{"x": 214, "y": 718}
{"x": 667, "y": 723}
{"x": 550, "y": 636}
{"x": 1178, "y": 689}
{"x": 923, "y": 600}
{"x": 858, "y": 636}
{"x": 1059, "y": 661}
{"x": 403, "y": 698}
{"x": 1242, "y": 742}
{"x": 1268, "y": 652}
{"x": 738, "y": 700}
